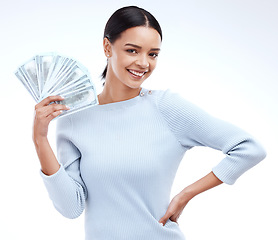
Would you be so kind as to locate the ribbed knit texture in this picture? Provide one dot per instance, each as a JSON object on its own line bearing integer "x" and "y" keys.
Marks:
{"x": 119, "y": 160}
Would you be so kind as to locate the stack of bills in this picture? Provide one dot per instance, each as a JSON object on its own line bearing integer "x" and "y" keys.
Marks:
{"x": 52, "y": 74}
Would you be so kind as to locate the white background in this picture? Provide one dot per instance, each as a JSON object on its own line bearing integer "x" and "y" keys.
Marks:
{"x": 221, "y": 55}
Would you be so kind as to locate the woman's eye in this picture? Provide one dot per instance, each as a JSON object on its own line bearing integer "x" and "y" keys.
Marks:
{"x": 154, "y": 55}
{"x": 131, "y": 50}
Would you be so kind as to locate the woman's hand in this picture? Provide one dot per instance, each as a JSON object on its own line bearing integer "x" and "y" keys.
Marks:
{"x": 175, "y": 208}
{"x": 178, "y": 203}
{"x": 44, "y": 113}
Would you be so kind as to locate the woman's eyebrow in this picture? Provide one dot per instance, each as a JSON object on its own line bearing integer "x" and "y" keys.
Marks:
{"x": 136, "y": 46}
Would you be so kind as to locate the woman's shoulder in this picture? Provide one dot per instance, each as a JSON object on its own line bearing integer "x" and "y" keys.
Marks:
{"x": 161, "y": 94}
{"x": 173, "y": 105}
{"x": 169, "y": 98}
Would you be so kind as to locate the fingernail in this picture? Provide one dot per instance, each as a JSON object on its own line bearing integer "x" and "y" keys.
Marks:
{"x": 67, "y": 107}
{"x": 161, "y": 224}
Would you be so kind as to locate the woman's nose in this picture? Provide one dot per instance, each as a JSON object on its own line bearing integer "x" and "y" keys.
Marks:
{"x": 142, "y": 61}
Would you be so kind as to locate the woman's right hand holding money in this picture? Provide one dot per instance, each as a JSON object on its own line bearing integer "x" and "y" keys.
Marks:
{"x": 44, "y": 113}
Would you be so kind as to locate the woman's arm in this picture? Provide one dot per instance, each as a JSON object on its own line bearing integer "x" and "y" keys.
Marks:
{"x": 44, "y": 113}
{"x": 207, "y": 182}
{"x": 63, "y": 183}
{"x": 178, "y": 203}
{"x": 194, "y": 127}
{"x": 48, "y": 161}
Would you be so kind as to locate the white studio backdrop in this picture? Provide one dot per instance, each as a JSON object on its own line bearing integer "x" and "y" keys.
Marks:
{"x": 221, "y": 55}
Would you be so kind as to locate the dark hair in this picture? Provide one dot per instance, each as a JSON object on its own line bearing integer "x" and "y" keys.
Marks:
{"x": 125, "y": 18}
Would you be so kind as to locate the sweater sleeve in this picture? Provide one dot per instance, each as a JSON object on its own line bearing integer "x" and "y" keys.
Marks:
{"x": 66, "y": 188}
{"x": 194, "y": 127}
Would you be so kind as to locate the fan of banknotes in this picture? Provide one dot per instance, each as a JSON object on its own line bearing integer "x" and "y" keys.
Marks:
{"x": 52, "y": 74}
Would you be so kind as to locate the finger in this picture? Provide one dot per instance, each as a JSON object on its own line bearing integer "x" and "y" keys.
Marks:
{"x": 53, "y": 115}
{"x": 175, "y": 217}
{"x": 47, "y": 110}
{"x": 54, "y": 108}
{"x": 164, "y": 219}
{"x": 48, "y": 100}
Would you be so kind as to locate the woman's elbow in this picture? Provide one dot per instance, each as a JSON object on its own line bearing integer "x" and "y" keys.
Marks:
{"x": 71, "y": 213}
{"x": 72, "y": 207}
{"x": 256, "y": 151}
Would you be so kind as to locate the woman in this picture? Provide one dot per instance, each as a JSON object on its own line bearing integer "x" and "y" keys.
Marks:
{"x": 118, "y": 160}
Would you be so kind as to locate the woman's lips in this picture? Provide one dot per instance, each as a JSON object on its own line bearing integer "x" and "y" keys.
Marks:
{"x": 137, "y": 74}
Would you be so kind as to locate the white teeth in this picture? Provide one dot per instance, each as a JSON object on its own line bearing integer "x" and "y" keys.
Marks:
{"x": 137, "y": 73}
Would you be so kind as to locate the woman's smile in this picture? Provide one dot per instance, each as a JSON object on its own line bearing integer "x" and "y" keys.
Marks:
{"x": 136, "y": 74}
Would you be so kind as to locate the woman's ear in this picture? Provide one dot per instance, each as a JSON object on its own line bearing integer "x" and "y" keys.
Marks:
{"x": 107, "y": 48}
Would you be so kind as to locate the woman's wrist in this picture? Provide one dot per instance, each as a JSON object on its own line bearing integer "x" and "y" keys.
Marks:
{"x": 49, "y": 163}
{"x": 38, "y": 140}
{"x": 188, "y": 193}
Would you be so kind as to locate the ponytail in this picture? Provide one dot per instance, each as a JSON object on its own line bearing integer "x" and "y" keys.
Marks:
{"x": 103, "y": 75}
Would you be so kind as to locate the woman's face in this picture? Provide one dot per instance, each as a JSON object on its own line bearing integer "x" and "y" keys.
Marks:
{"x": 133, "y": 56}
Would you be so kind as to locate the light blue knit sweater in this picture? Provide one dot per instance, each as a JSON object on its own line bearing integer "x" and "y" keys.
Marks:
{"x": 119, "y": 160}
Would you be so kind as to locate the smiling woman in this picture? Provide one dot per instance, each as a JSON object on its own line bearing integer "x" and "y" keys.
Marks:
{"x": 132, "y": 40}
{"x": 126, "y": 18}
{"x": 118, "y": 160}
{"x": 131, "y": 60}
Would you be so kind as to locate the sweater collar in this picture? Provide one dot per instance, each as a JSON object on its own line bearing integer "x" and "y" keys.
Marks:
{"x": 122, "y": 104}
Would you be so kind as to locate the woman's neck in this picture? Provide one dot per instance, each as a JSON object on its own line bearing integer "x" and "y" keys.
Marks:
{"x": 116, "y": 93}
